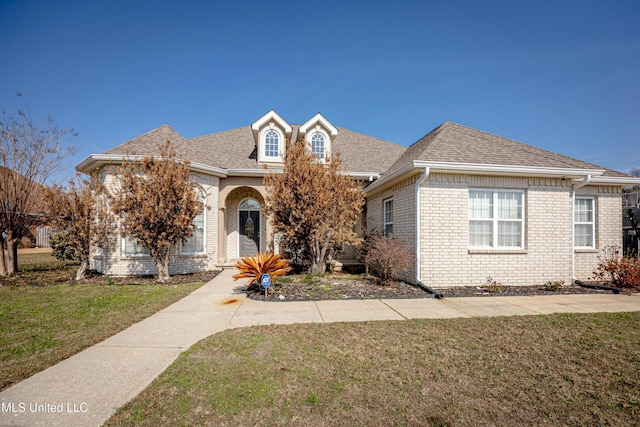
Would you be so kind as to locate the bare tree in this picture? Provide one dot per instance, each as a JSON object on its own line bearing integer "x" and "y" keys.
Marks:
{"x": 80, "y": 212}
{"x": 635, "y": 172}
{"x": 29, "y": 153}
{"x": 313, "y": 205}
{"x": 157, "y": 203}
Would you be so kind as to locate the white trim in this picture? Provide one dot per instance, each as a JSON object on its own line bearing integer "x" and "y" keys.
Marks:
{"x": 585, "y": 181}
{"x": 418, "y": 245}
{"x": 94, "y": 161}
{"x": 615, "y": 180}
{"x": 495, "y": 219}
{"x": 327, "y": 142}
{"x": 385, "y": 220}
{"x": 271, "y": 116}
{"x": 262, "y": 145}
{"x": 592, "y": 223}
{"x": 125, "y": 254}
{"x": 318, "y": 118}
{"x": 202, "y": 194}
{"x": 497, "y": 170}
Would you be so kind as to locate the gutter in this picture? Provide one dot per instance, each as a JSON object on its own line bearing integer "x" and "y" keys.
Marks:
{"x": 586, "y": 180}
{"x": 418, "y": 247}
{"x": 94, "y": 161}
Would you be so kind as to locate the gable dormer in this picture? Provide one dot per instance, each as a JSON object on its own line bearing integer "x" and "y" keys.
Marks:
{"x": 271, "y": 133}
{"x": 318, "y": 134}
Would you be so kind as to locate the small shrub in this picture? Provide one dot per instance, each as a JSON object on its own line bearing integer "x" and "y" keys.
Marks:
{"x": 64, "y": 248}
{"x": 253, "y": 267}
{"x": 553, "y": 285}
{"x": 621, "y": 271}
{"x": 492, "y": 286}
{"x": 386, "y": 257}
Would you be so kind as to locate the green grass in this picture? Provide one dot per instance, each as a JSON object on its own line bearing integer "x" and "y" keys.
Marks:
{"x": 44, "y": 322}
{"x": 563, "y": 369}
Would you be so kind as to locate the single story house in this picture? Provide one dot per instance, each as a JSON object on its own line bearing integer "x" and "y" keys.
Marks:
{"x": 468, "y": 203}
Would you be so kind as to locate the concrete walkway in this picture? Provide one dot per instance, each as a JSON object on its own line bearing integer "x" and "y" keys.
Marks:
{"x": 86, "y": 389}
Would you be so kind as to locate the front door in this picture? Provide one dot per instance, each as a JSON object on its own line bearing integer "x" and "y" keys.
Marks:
{"x": 249, "y": 229}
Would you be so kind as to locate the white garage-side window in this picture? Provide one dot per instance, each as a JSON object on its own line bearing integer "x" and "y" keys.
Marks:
{"x": 584, "y": 224}
{"x": 496, "y": 219}
{"x": 388, "y": 217}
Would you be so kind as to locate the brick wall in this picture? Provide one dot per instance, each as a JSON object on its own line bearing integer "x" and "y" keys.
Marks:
{"x": 445, "y": 257}
{"x": 111, "y": 260}
{"x": 404, "y": 222}
{"x": 608, "y": 227}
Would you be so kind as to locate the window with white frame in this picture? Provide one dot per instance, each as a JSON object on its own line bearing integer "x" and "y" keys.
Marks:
{"x": 131, "y": 247}
{"x": 195, "y": 243}
{"x": 318, "y": 145}
{"x": 584, "y": 225}
{"x": 388, "y": 217}
{"x": 271, "y": 143}
{"x": 496, "y": 219}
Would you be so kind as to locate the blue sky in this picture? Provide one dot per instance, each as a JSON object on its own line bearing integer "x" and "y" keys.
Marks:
{"x": 561, "y": 75}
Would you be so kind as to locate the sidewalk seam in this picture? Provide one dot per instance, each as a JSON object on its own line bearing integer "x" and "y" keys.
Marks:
{"x": 401, "y": 315}
{"x": 536, "y": 312}
{"x": 319, "y": 312}
{"x": 234, "y": 315}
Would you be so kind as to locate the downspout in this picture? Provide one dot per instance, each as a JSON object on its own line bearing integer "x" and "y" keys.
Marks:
{"x": 418, "y": 245}
{"x": 586, "y": 180}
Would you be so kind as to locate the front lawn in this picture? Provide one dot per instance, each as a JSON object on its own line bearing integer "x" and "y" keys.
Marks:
{"x": 562, "y": 369}
{"x": 45, "y": 319}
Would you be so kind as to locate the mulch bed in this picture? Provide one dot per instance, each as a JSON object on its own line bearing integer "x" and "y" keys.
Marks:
{"x": 344, "y": 286}
{"x": 203, "y": 276}
{"x": 479, "y": 291}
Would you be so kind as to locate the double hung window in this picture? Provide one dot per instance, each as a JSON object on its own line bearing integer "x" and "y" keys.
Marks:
{"x": 388, "y": 217}
{"x": 195, "y": 243}
{"x": 496, "y": 219}
{"x": 131, "y": 247}
{"x": 584, "y": 223}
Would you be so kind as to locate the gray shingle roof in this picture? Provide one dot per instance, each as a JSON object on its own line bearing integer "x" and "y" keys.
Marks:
{"x": 235, "y": 148}
{"x": 449, "y": 142}
{"x": 455, "y": 143}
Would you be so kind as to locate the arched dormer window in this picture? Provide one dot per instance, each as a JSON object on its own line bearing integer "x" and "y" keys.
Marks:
{"x": 318, "y": 145}
{"x": 271, "y": 143}
{"x": 271, "y": 134}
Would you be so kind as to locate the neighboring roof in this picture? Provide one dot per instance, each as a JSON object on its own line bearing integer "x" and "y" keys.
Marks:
{"x": 12, "y": 182}
{"x": 235, "y": 149}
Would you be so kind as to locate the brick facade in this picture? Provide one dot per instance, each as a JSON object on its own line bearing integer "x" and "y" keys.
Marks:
{"x": 548, "y": 254}
{"x": 112, "y": 261}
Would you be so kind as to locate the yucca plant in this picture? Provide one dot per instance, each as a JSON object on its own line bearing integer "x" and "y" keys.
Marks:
{"x": 253, "y": 267}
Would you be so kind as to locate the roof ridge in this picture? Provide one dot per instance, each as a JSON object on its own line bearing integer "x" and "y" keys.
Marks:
{"x": 369, "y": 136}
{"x": 148, "y": 133}
{"x": 219, "y": 132}
{"x": 542, "y": 152}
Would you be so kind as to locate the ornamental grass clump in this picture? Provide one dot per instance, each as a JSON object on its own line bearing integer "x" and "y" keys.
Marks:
{"x": 253, "y": 267}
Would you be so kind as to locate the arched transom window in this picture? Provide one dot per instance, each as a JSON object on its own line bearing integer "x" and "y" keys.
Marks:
{"x": 271, "y": 144}
{"x": 318, "y": 145}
